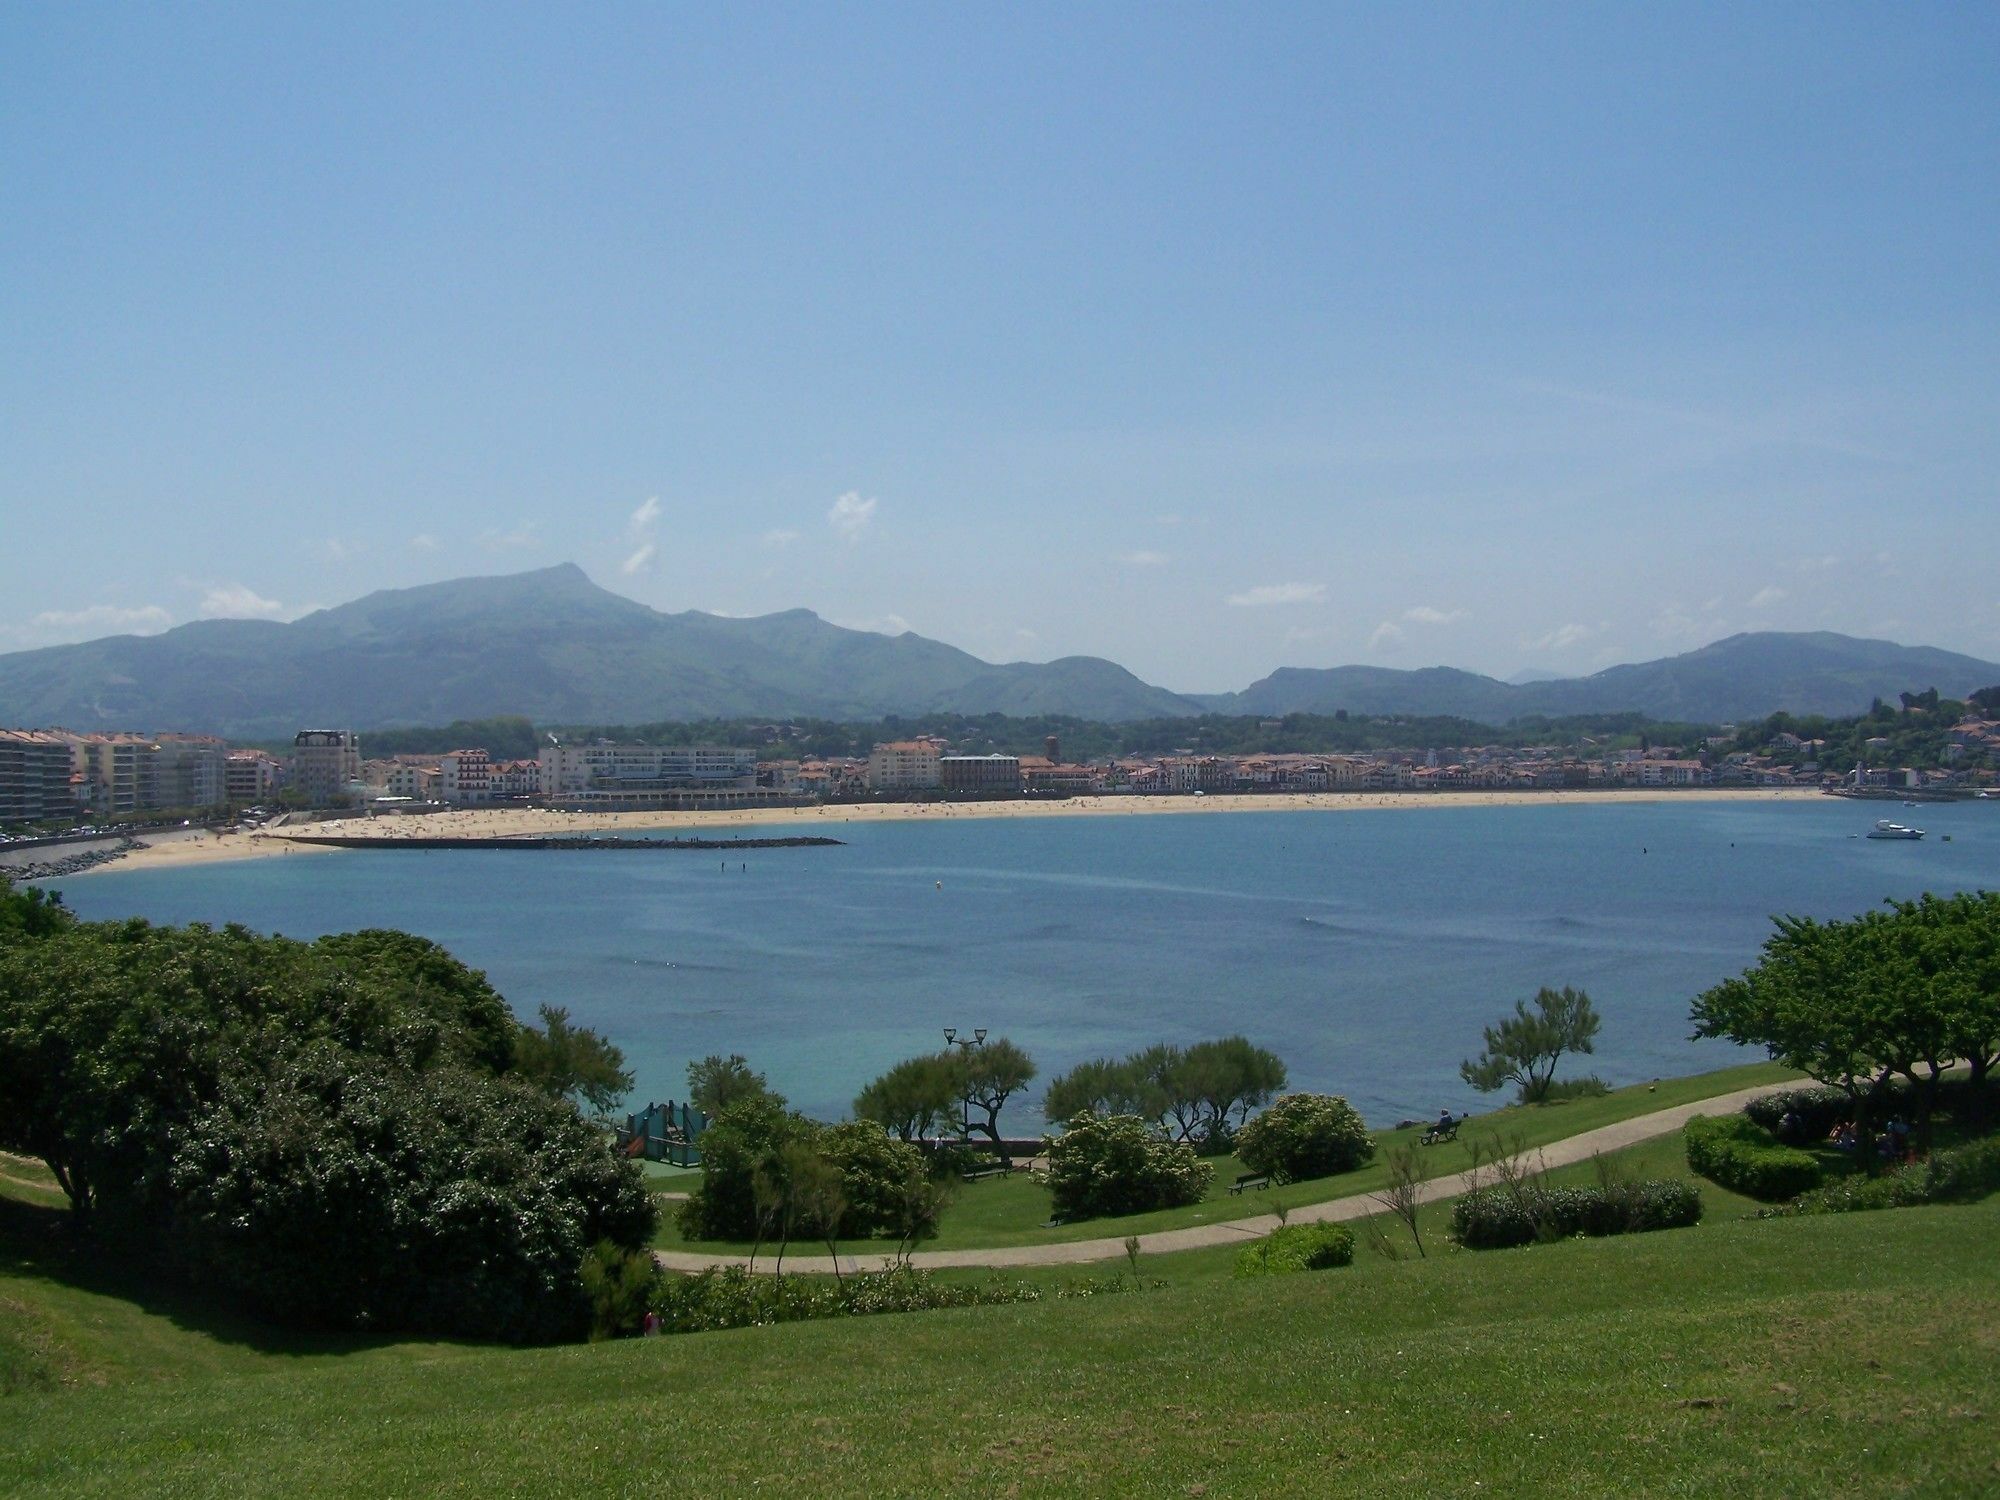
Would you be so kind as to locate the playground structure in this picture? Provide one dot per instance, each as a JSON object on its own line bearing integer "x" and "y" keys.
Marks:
{"x": 667, "y": 1132}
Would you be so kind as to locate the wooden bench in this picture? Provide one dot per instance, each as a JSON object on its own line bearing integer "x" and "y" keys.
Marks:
{"x": 1258, "y": 1180}
{"x": 1439, "y": 1133}
{"x": 980, "y": 1174}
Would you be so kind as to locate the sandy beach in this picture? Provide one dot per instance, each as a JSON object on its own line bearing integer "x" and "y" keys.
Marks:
{"x": 204, "y": 848}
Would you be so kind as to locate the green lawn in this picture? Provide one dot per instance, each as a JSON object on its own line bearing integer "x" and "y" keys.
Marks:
{"x": 1852, "y": 1355}
{"x": 1013, "y": 1210}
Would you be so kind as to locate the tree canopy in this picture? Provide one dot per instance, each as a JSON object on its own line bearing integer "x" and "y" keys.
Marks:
{"x": 1908, "y": 990}
{"x": 234, "y": 1097}
{"x": 1199, "y": 1094}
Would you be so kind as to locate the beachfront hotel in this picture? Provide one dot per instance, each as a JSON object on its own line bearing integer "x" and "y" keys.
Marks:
{"x": 607, "y": 777}
{"x": 326, "y": 765}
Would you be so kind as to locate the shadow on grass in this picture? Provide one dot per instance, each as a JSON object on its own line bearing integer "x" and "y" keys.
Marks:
{"x": 46, "y": 1243}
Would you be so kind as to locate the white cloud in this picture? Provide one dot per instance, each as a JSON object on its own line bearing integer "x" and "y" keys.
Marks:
{"x": 334, "y": 550}
{"x": 1388, "y": 633}
{"x": 1562, "y": 638}
{"x": 639, "y": 561}
{"x": 1767, "y": 596}
{"x": 235, "y": 602}
{"x": 883, "y": 625}
{"x": 1818, "y": 564}
{"x": 1141, "y": 559}
{"x": 1265, "y": 594}
{"x": 527, "y": 534}
{"x": 1424, "y": 614}
{"x": 851, "y": 514}
{"x": 646, "y": 514}
{"x": 780, "y": 536}
{"x": 57, "y": 627}
{"x": 423, "y": 541}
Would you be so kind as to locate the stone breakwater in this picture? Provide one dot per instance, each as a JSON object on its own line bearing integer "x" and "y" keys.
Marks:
{"x": 551, "y": 841}
{"x": 75, "y": 864}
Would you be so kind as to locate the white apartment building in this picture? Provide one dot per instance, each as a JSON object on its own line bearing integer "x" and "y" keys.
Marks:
{"x": 904, "y": 766}
{"x": 465, "y": 778}
{"x": 35, "y": 771}
{"x": 607, "y": 777}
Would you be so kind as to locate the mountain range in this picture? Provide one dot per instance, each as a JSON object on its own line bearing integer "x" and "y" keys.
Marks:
{"x": 553, "y": 646}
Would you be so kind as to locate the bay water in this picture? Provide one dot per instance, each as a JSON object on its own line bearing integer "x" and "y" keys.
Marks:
{"x": 1367, "y": 947}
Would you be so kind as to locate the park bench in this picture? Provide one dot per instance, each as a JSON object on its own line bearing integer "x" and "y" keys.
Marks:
{"x": 979, "y": 1174}
{"x": 1439, "y": 1132}
{"x": 1259, "y": 1180}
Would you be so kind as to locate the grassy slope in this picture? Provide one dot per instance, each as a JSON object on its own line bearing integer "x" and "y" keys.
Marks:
{"x": 1854, "y": 1354}
{"x": 1011, "y": 1211}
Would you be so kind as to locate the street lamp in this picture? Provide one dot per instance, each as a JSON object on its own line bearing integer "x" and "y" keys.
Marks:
{"x": 965, "y": 1045}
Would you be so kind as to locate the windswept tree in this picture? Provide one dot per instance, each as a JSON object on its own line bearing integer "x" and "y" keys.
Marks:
{"x": 572, "y": 1062}
{"x": 1524, "y": 1048}
{"x": 988, "y": 1076}
{"x": 1199, "y": 1094}
{"x": 913, "y": 1099}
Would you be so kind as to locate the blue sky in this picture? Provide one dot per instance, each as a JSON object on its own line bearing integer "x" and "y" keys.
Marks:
{"x": 1209, "y": 339}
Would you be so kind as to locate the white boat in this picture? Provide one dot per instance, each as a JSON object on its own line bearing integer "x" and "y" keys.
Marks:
{"x": 1884, "y": 829}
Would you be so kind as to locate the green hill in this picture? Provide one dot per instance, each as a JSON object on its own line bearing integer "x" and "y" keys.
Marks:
{"x": 548, "y": 645}
{"x": 1741, "y": 677}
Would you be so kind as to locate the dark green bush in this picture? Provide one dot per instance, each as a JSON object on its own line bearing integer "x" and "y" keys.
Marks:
{"x": 1818, "y": 1107}
{"x": 1297, "y": 1247}
{"x": 1737, "y": 1153}
{"x": 338, "y": 1190}
{"x": 876, "y": 1172}
{"x": 1115, "y": 1164}
{"x": 1498, "y": 1217}
{"x": 1961, "y": 1175}
{"x": 731, "y": 1297}
{"x": 1303, "y": 1136}
{"x": 1821, "y": 1107}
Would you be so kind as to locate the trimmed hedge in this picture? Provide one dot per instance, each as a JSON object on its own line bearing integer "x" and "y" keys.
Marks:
{"x": 1737, "y": 1153}
{"x": 1298, "y": 1247}
{"x": 732, "y": 1297}
{"x": 1962, "y": 1175}
{"x": 1497, "y": 1218}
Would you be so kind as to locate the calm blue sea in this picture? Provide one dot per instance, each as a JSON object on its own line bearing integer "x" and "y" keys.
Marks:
{"x": 1366, "y": 947}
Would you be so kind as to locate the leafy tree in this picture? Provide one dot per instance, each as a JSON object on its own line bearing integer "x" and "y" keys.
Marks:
{"x": 1906, "y": 991}
{"x": 742, "y": 1140}
{"x": 913, "y": 1098}
{"x": 875, "y": 1171}
{"x": 987, "y": 1077}
{"x": 1229, "y": 1077}
{"x": 1304, "y": 1136}
{"x": 312, "y": 1126}
{"x": 1116, "y": 1164}
{"x": 1194, "y": 1093}
{"x": 572, "y": 1062}
{"x": 1524, "y": 1048}
{"x": 30, "y": 912}
{"x": 715, "y": 1083}
{"x": 1986, "y": 700}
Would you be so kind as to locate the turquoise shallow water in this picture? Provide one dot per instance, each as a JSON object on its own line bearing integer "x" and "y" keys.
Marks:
{"x": 1366, "y": 947}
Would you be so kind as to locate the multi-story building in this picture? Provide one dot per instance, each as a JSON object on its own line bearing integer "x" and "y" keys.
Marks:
{"x": 607, "y": 777}
{"x": 115, "y": 770}
{"x": 326, "y": 765}
{"x": 993, "y": 775}
{"x": 35, "y": 771}
{"x": 465, "y": 778}
{"x": 251, "y": 776}
{"x": 185, "y": 770}
{"x": 904, "y": 766}
{"x": 516, "y": 780}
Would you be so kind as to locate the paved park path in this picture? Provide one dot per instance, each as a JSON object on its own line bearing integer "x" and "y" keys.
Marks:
{"x": 1560, "y": 1153}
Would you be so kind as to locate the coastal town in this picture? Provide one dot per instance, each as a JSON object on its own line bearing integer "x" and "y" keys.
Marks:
{"x": 51, "y": 779}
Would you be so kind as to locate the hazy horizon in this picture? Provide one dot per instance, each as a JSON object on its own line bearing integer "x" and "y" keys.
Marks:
{"x": 1205, "y": 342}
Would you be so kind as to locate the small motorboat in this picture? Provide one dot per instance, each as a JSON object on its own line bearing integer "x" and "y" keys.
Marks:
{"x": 1884, "y": 829}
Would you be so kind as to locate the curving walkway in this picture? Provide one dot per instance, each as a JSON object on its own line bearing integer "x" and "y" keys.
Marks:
{"x": 1560, "y": 1153}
